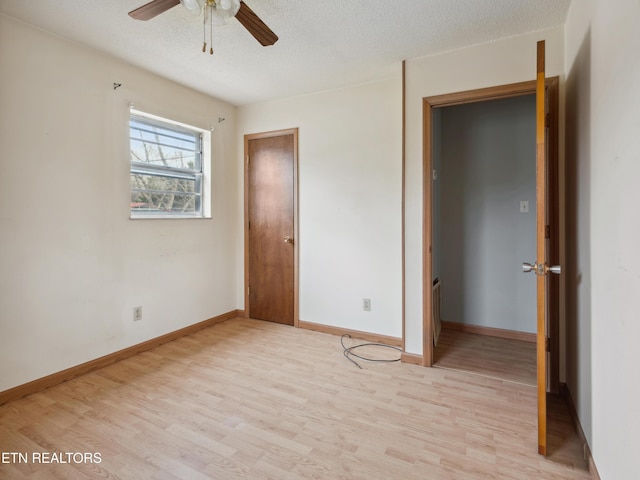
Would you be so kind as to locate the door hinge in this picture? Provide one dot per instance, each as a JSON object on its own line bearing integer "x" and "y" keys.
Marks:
{"x": 248, "y": 290}
{"x": 547, "y": 231}
{"x": 248, "y": 160}
{"x": 547, "y": 344}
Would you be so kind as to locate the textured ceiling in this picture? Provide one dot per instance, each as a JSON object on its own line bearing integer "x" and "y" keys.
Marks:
{"x": 324, "y": 44}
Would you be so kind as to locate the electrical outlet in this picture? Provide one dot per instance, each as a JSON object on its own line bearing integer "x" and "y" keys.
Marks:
{"x": 366, "y": 304}
{"x": 137, "y": 313}
{"x": 524, "y": 206}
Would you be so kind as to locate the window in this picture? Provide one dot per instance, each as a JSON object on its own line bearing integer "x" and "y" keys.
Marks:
{"x": 168, "y": 167}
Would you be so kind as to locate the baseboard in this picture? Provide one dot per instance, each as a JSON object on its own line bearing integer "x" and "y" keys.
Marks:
{"x": 73, "y": 372}
{"x": 369, "y": 337}
{"x": 412, "y": 358}
{"x": 566, "y": 395}
{"x": 489, "y": 331}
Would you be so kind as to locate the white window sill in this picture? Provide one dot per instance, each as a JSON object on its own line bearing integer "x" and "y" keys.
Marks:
{"x": 168, "y": 217}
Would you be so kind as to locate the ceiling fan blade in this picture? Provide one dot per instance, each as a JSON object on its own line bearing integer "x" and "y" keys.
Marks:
{"x": 151, "y": 9}
{"x": 255, "y": 26}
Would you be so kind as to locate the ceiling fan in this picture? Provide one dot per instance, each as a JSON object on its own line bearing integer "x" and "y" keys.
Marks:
{"x": 218, "y": 11}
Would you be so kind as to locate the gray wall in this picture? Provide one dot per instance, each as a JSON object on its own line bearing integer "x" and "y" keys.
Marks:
{"x": 487, "y": 167}
{"x": 436, "y": 191}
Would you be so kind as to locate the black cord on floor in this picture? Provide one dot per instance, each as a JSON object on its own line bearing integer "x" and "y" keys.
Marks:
{"x": 347, "y": 351}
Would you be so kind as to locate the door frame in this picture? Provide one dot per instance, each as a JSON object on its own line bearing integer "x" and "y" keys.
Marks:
{"x": 296, "y": 236}
{"x": 472, "y": 96}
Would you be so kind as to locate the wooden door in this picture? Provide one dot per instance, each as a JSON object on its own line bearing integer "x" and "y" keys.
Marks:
{"x": 541, "y": 268}
{"x": 270, "y": 226}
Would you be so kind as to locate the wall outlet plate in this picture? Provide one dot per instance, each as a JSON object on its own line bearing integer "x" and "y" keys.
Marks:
{"x": 366, "y": 304}
{"x": 137, "y": 314}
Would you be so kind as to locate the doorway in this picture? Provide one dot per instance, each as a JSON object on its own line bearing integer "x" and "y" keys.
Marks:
{"x": 484, "y": 225}
{"x": 271, "y": 226}
{"x": 481, "y": 265}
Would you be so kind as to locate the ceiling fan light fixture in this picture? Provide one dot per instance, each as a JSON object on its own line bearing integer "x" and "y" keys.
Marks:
{"x": 192, "y": 5}
{"x": 225, "y": 8}
{"x": 214, "y": 17}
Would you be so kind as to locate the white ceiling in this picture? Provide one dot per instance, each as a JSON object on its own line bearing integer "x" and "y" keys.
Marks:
{"x": 324, "y": 44}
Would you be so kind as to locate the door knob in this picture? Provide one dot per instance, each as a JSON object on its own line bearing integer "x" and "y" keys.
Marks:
{"x": 538, "y": 269}
{"x": 288, "y": 240}
{"x": 541, "y": 269}
{"x": 527, "y": 267}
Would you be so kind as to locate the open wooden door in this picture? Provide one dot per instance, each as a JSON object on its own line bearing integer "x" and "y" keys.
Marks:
{"x": 541, "y": 258}
{"x": 541, "y": 267}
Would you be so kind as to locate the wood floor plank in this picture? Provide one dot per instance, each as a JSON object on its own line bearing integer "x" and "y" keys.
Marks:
{"x": 246, "y": 399}
{"x": 507, "y": 359}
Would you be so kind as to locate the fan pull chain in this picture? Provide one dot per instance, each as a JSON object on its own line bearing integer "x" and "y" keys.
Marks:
{"x": 211, "y": 32}
{"x": 204, "y": 31}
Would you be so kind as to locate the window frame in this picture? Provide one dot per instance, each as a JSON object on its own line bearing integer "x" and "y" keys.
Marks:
{"x": 200, "y": 176}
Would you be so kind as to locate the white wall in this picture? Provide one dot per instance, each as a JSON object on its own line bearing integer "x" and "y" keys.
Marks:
{"x": 488, "y": 167}
{"x": 497, "y": 63}
{"x": 603, "y": 120}
{"x": 72, "y": 264}
{"x": 577, "y": 268}
{"x": 350, "y": 201}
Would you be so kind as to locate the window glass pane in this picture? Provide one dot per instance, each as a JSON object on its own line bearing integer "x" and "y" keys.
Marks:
{"x": 141, "y": 181}
{"x": 153, "y": 193}
{"x": 164, "y": 147}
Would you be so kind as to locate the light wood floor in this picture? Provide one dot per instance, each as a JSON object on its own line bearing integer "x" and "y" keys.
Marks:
{"x": 512, "y": 360}
{"x": 254, "y": 400}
